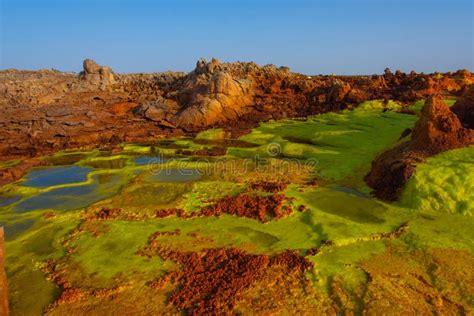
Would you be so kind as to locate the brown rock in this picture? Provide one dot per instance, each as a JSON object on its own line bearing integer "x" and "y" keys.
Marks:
{"x": 464, "y": 108}
{"x": 97, "y": 76}
{"x": 338, "y": 91}
{"x": 90, "y": 67}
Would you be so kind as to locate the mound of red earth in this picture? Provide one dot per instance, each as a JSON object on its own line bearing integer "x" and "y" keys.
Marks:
{"x": 464, "y": 108}
{"x": 262, "y": 208}
{"x": 437, "y": 130}
{"x": 251, "y": 206}
{"x": 213, "y": 280}
{"x": 46, "y": 111}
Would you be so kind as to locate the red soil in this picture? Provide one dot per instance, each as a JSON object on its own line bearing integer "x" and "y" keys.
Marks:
{"x": 213, "y": 280}
{"x": 244, "y": 205}
{"x": 257, "y": 207}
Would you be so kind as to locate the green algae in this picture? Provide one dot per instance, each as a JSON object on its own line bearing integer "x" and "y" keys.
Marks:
{"x": 361, "y": 210}
{"x": 212, "y": 134}
{"x": 204, "y": 193}
{"x": 65, "y": 158}
{"x": 30, "y": 292}
{"x": 110, "y": 163}
{"x": 443, "y": 183}
{"x": 344, "y": 144}
{"x": 9, "y": 163}
{"x": 121, "y": 243}
{"x": 152, "y": 195}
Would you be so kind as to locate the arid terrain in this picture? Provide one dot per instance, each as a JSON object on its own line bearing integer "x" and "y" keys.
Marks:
{"x": 237, "y": 188}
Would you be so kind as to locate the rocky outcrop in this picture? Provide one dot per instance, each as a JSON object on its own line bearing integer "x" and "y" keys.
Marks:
{"x": 97, "y": 76}
{"x": 224, "y": 99}
{"x": 464, "y": 108}
{"x": 437, "y": 130}
{"x": 209, "y": 95}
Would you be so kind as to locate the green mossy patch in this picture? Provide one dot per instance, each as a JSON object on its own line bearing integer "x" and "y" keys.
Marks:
{"x": 443, "y": 183}
{"x": 342, "y": 144}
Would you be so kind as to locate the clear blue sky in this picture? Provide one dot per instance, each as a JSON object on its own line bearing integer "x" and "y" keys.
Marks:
{"x": 327, "y": 36}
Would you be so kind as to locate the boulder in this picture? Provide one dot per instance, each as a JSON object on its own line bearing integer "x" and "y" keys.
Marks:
{"x": 225, "y": 98}
{"x": 97, "y": 76}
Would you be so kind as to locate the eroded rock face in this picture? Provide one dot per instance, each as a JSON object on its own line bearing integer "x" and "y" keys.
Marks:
{"x": 209, "y": 95}
{"x": 437, "y": 130}
{"x": 225, "y": 99}
{"x": 97, "y": 76}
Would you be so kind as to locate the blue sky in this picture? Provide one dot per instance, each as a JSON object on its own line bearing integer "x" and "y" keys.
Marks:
{"x": 312, "y": 37}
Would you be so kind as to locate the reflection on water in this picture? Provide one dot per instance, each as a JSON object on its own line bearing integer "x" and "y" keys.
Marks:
{"x": 70, "y": 198}
{"x": 45, "y": 177}
{"x": 175, "y": 175}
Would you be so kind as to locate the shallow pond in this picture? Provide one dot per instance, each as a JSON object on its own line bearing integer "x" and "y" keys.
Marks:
{"x": 70, "y": 198}
{"x": 46, "y": 177}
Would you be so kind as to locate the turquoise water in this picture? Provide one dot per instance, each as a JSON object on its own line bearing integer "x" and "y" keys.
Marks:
{"x": 46, "y": 177}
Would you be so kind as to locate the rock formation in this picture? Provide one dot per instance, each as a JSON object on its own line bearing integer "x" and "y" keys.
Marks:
{"x": 209, "y": 95}
{"x": 97, "y": 76}
{"x": 437, "y": 130}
